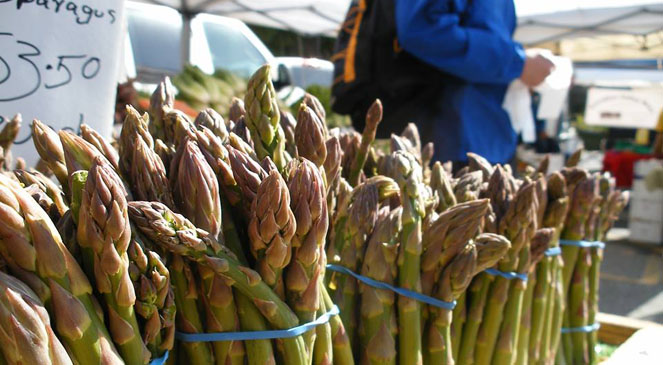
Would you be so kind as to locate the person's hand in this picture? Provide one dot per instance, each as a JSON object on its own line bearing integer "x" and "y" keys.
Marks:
{"x": 536, "y": 69}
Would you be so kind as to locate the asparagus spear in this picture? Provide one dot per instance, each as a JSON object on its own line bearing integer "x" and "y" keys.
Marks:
{"x": 350, "y": 239}
{"x": 310, "y": 136}
{"x": 446, "y": 237}
{"x": 518, "y": 225}
{"x": 236, "y": 109}
{"x": 162, "y": 101}
{"x": 195, "y": 188}
{"x": 288, "y": 123}
{"x": 134, "y": 126}
{"x": 155, "y": 300}
{"x": 148, "y": 175}
{"x": 262, "y": 117}
{"x": 209, "y": 118}
{"x": 441, "y": 185}
{"x": 271, "y": 228}
{"x": 303, "y": 274}
{"x": 25, "y": 327}
{"x": 542, "y": 302}
{"x": 377, "y": 326}
{"x": 104, "y": 234}
{"x": 406, "y": 171}
{"x": 315, "y": 104}
{"x": 50, "y": 150}
{"x": 454, "y": 280}
{"x": 373, "y": 119}
{"x": 196, "y": 193}
{"x": 46, "y": 185}
{"x": 7, "y": 136}
{"x": 176, "y": 234}
{"x": 101, "y": 144}
{"x": 35, "y": 253}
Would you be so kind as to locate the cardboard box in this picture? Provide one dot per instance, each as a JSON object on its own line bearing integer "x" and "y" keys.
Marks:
{"x": 644, "y": 231}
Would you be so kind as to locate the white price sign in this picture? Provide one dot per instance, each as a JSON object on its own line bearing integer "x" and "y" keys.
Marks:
{"x": 627, "y": 108}
{"x": 59, "y": 63}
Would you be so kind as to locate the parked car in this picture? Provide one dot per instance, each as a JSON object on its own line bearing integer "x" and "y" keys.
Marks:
{"x": 155, "y": 48}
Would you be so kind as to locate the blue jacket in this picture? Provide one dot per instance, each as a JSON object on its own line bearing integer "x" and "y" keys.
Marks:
{"x": 472, "y": 42}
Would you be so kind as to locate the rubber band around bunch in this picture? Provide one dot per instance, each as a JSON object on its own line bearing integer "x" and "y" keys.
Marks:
{"x": 582, "y": 244}
{"x": 257, "y": 335}
{"x": 400, "y": 291}
{"x": 584, "y": 329}
{"x": 160, "y": 360}
{"x": 553, "y": 251}
{"x": 507, "y": 275}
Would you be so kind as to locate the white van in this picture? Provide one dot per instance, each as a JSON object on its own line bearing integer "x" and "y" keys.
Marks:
{"x": 154, "y": 48}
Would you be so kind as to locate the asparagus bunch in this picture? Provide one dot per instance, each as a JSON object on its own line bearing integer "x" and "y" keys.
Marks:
{"x": 26, "y": 332}
{"x": 34, "y": 252}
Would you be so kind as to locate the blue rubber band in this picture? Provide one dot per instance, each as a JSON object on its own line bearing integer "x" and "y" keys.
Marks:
{"x": 400, "y": 291}
{"x": 507, "y": 275}
{"x": 583, "y": 329}
{"x": 553, "y": 251}
{"x": 161, "y": 360}
{"x": 257, "y": 335}
{"x": 582, "y": 244}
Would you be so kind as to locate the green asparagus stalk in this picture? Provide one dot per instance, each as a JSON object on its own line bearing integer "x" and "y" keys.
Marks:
{"x": 177, "y": 128}
{"x": 310, "y": 136}
{"x": 288, "y": 124}
{"x": 134, "y": 126}
{"x": 104, "y": 234}
{"x": 50, "y": 150}
{"x": 540, "y": 243}
{"x": 441, "y": 185}
{"x": 196, "y": 192}
{"x": 262, "y": 117}
{"x": 490, "y": 248}
{"x": 518, "y": 225}
{"x": 46, "y": 185}
{"x": 7, "y": 136}
{"x": 148, "y": 175}
{"x": 323, "y": 349}
{"x": 373, "y": 118}
{"x": 350, "y": 142}
{"x": 195, "y": 188}
{"x": 236, "y": 109}
{"x": 317, "y": 107}
{"x": 304, "y": 273}
{"x": 188, "y": 318}
{"x": 101, "y": 144}
{"x": 25, "y": 327}
{"x": 340, "y": 341}
{"x": 478, "y": 163}
{"x": 350, "y": 241}
{"x": 175, "y": 233}
{"x": 209, "y": 118}
{"x": 155, "y": 300}
{"x": 271, "y": 228}
{"x": 162, "y": 101}
{"x": 446, "y": 237}
{"x": 377, "y": 326}
{"x": 406, "y": 171}
{"x": 454, "y": 280}
{"x": 34, "y": 251}
{"x": 240, "y": 138}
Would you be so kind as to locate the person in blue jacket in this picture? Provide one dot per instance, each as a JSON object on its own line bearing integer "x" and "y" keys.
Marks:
{"x": 470, "y": 40}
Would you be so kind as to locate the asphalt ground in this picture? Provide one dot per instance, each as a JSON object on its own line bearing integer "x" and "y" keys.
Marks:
{"x": 631, "y": 278}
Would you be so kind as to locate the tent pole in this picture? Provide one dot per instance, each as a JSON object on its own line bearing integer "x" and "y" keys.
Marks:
{"x": 185, "y": 39}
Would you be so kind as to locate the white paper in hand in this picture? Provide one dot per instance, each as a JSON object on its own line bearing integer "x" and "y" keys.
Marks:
{"x": 59, "y": 64}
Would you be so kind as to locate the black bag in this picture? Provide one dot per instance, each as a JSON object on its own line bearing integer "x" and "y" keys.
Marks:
{"x": 369, "y": 64}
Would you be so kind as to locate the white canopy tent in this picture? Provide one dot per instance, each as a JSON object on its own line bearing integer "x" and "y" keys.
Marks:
{"x": 621, "y": 28}
{"x": 310, "y": 17}
{"x": 540, "y": 22}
